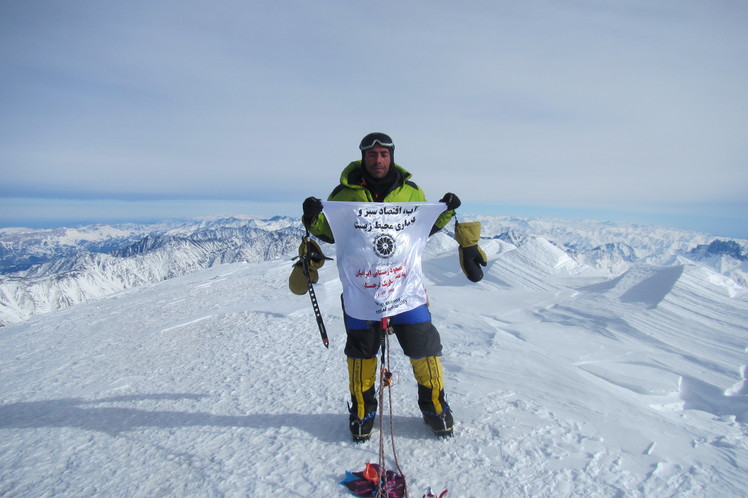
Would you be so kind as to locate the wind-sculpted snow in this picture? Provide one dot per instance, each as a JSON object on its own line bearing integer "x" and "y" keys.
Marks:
{"x": 565, "y": 381}
{"x": 86, "y": 263}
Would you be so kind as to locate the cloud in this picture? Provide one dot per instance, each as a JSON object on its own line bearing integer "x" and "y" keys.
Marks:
{"x": 580, "y": 103}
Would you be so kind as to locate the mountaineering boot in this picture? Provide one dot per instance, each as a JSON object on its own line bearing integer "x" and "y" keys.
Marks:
{"x": 362, "y": 374}
{"x": 443, "y": 423}
{"x": 361, "y": 428}
{"x": 435, "y": 410}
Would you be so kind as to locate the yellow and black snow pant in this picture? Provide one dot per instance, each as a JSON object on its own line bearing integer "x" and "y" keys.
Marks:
{"x": 420, "y": 341}
{"x": 430, "y": 378}
{"x": 362, "y": 374}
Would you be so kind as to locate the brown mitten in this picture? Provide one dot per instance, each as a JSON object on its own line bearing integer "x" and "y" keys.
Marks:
{"x": 310, "y": 250}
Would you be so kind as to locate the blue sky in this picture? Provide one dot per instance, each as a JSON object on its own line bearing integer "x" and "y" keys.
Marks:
{"x": 127, "y": 111}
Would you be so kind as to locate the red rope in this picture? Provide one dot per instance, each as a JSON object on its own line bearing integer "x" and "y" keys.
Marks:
{"x": 385, "y": 380}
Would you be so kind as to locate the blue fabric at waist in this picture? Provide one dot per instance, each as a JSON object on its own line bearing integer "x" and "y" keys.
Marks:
{"x": 417, "y": 315}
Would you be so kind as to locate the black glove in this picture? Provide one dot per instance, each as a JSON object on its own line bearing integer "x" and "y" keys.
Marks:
{"x": 452, "y": 201}
{"x": 470, "y": 258}
{"x": 312, "y": 207}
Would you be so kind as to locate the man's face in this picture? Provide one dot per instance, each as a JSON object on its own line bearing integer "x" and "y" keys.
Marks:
{"x": 377, "y": 161}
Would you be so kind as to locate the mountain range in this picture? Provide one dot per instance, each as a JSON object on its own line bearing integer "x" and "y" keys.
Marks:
{"x": 43, "y": 270}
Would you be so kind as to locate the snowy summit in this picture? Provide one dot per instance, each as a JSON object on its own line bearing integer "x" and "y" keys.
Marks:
{"x": 589, "y": 361}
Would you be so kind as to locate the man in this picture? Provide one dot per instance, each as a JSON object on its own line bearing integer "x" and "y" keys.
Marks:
{"x": 376, "y": 178}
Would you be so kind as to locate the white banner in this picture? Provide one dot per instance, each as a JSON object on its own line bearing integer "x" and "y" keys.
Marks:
{"x": 378, "y": 248}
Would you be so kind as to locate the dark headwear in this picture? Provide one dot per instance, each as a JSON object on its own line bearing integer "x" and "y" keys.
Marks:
{"x": 379, "y": 186}
{"x": 377, "y": 138}
{"x": 372, "y": 139}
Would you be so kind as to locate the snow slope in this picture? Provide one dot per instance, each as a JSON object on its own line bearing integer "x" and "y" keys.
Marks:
{"x": 563, "y": 383}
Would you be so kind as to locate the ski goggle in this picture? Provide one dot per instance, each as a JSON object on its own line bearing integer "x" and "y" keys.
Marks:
{"x": 373, "y": 139}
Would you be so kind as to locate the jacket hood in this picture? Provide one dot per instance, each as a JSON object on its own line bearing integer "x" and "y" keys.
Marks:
{"x": 346, "y": 177}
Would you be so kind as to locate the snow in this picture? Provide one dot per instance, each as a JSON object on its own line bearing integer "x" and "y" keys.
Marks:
{"x": 563, "y": 381}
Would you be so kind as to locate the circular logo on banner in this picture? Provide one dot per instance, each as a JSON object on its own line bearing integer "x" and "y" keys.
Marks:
{"x": 384, "y": 245}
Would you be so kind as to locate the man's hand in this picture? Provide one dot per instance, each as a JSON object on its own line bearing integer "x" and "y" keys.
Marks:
{"x": 312, "y": 207}
{"x": 452, "y": 201}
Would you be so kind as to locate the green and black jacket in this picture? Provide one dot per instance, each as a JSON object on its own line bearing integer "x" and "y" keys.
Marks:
{"x": 353, "y": 188}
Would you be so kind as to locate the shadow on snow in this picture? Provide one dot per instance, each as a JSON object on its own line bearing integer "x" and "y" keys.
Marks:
{"x": 89, "y": 415}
